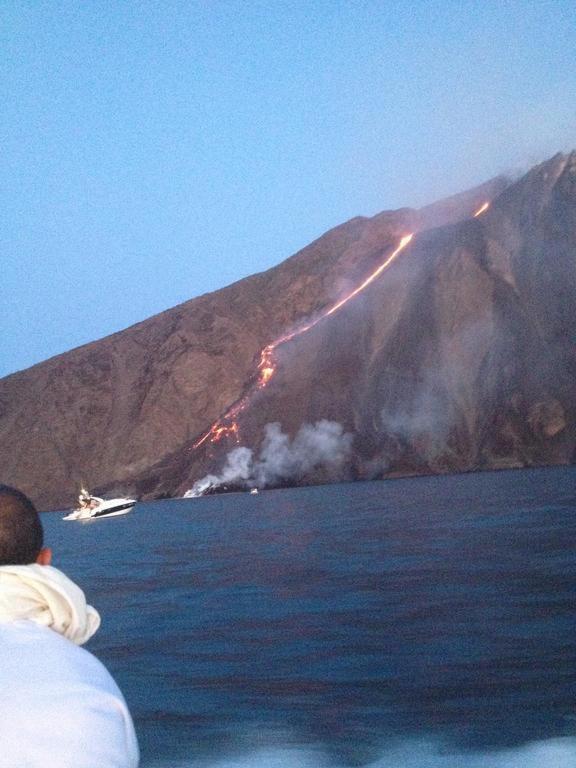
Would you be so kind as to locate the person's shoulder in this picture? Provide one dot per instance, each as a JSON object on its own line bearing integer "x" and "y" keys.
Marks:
{"x": 42, "y": 655}
{"x": 60, "y": 700}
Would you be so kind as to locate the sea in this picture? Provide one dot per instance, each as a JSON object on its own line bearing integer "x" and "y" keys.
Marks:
{"x": 413, "y": 623}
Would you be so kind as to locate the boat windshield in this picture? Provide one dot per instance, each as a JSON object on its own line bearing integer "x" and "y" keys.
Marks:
{"x": 87, "y": 501}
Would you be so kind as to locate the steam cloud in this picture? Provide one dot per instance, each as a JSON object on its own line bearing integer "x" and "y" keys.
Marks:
{"x": 324, "y": 444}
{"x": 429, "y": 410}
{"x": 428, "y": 413}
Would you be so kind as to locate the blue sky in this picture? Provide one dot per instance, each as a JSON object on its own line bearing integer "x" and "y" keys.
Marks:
{"x": 154, "y": 151}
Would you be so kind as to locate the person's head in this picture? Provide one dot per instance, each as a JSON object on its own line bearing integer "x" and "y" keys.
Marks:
{"x": 21, "y": 535}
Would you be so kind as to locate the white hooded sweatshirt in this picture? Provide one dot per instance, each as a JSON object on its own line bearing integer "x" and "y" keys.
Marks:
{"x": 59, "y": 706}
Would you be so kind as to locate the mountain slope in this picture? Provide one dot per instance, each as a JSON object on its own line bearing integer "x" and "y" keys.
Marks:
{"x": 460, "y": 356}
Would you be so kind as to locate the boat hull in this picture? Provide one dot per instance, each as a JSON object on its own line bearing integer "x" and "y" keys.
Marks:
{"x": 122, "y": 508}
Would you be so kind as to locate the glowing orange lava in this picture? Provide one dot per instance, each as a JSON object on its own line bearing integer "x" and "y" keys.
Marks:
{"x": 227, "y": 424}
{"x": 480, "y": 211}
{"x": 217, "y": 432}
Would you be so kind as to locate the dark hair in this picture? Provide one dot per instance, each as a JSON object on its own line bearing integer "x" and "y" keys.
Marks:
{"x": 21, "y": 535}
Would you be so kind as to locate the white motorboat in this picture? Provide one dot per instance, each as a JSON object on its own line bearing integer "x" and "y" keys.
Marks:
{"x": 91, "y": 507}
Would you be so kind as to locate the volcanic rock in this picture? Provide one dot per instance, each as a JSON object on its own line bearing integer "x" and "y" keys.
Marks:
{"x": 460, "y": 356}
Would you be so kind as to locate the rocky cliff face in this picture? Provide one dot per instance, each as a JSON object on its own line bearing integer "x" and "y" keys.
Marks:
{"x": 461, "y": 356}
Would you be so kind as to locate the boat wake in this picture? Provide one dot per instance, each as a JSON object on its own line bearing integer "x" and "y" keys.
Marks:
{"x": 553, "y": 753}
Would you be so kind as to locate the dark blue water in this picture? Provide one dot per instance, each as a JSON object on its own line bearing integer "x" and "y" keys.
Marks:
{"x": 409, "y": 623}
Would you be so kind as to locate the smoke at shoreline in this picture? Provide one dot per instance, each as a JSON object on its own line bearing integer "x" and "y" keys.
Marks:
{"x": 321, "y": 445}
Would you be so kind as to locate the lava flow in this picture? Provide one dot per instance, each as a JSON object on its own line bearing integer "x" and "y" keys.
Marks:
{"x": 227, "y": 426}
{"x": 480, "y": 211}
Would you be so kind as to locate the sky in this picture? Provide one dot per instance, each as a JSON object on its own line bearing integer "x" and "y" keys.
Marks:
{"x": 156, "y": 151}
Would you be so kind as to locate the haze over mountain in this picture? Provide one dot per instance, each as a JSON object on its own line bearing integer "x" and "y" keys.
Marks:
{"x": 460, "y": 356}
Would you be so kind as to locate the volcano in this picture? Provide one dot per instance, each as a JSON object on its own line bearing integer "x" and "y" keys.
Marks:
{"x": 460, "y": 356}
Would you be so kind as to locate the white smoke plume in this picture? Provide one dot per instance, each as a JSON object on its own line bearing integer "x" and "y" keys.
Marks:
{"x": 427, "y": 414}
{"x": 324, "y": 444}
{"x": 238, "y": 470}
{"x": 446, "y": 389}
